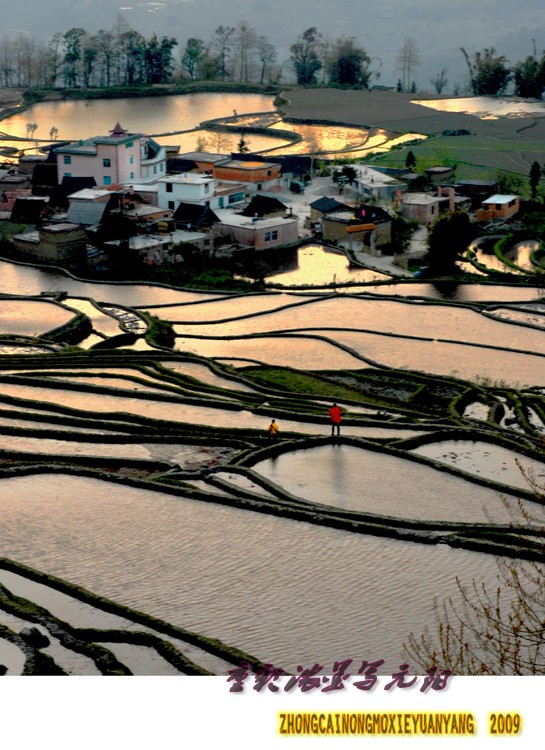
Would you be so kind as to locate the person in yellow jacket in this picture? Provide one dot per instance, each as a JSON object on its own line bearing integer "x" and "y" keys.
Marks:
{"x": 273, "y": 429}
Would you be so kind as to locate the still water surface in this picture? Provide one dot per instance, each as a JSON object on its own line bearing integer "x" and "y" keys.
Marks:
{"x": 289, "y": 593}
{"x": 353, "y": 478}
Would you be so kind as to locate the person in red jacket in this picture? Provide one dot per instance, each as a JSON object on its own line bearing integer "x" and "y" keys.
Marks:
{"x": 336, "y": 416}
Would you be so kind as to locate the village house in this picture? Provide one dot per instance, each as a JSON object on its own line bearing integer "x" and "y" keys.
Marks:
{"x": 440, "y": 175}
{"x": 498, "y": 207}
{"x": 265, "y": 206}
{"x": 476, "y": 190}
{"x": 195, "y": 161}
{"x": 118, "y": 158}
{"x": 376, "y": 184}
{"x": 425, "y": 208}
{"x": 260, "y": 234}
{"x": 322, "y": 206}
{"x": 256, "y": 175}
{"x": 64, "y": 242}
{"x": 198, "y": 188}
{"x": 157, "y": 248}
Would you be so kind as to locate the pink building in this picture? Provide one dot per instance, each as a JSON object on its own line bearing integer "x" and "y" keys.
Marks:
{"x": 110, "y": 159}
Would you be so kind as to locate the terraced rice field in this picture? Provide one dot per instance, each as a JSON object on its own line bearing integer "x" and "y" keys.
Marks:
{"x": 149, "y": 525}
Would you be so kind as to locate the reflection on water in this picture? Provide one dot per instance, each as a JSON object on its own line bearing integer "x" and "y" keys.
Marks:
{"x": 31, "y": 317}
{"x": 353, "y": 478}
{"x": 149, "y": 114}
{"x": 315, "y": 265}
{"x": 485, "y": 460}
{"x": 389, "y": 316}
{"x": 441, "y": 358}
{"x": 164, "y": 115}
{"x": 520, "y": 254}
{"x": 323, "y": 137}
{"x": 27, "y": 280}
{"x": 486, "y": 107}
{"x": 246, "y": 578}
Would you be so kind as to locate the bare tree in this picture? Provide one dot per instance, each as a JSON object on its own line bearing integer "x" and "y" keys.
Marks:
{"x": 499, "y": 631}
{"x": 408, "y": 59}
{"x": 266, "y": 53}
{"x": 200, "y": 146}
{"x": 104, "y": 41}
{"x": 245, "y": 47}
{"x": 6, "y": 60}
{"x": 220, "y": 142}
{"x": 440, "y": 81}
{"x": 223, "y": 42}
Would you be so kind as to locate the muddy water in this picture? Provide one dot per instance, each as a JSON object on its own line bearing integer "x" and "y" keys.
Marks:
{"x": 485, "y": 460}
{"x": 304, "y": 351}
{"x": 519, "y": 316}
{"x": 349, "y": 477}
{"x": 245, "y": 578}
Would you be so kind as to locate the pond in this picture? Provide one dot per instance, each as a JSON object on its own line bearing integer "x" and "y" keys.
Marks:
{"x": 165, "y": 116}
{"x": 149, "y": 114}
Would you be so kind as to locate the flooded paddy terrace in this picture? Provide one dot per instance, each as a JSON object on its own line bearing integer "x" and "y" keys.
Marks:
{"x": 146, "y": 475}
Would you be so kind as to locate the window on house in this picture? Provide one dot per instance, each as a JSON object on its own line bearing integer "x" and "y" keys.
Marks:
{"x": 161, "y": 167}
{"x": 171, "y": 205}
{"x": 129, "y": 144}
{"x": 169, "y": 187}
{"x": 68, "y": 160}
{"x": 67, "y": 174}
{"x": 259, "y": 186}
{"x": 269, "y": 172}
{"x": 106, "y": 163}
{"x": 220, "y": 202}
{"x": 267, "y": 237}
{"x": 107, "y": 180}
{"x": 131, "y": 176}
{"x": 498, "y": 206}
{"x": 131, "y": 160}
{"x": 274, "y": 235}
{"x": 154, "y": 169}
